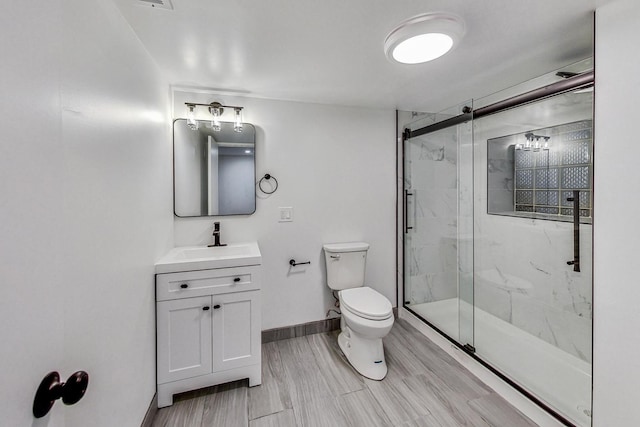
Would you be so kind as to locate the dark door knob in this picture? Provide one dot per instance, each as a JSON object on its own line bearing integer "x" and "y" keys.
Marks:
{"x": 237, "y": 279}
{"x": 206, "y": 307}
{"x": 217, "y": 306}
{"x": 51, "y": 389}
{"x": 75, "y": 387}
{"x": 184, "y": 286}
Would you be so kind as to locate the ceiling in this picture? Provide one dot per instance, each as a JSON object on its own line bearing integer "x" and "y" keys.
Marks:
{"x": 331, "y": 51}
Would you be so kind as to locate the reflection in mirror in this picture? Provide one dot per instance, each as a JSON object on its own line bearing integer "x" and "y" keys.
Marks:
{"x": 533, "y": 173}
{"x": 214, "y": 171}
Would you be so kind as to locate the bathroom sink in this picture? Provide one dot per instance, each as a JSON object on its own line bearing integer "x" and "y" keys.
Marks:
{"x": 189, "y": 258}
{"x": 215, "y": 252}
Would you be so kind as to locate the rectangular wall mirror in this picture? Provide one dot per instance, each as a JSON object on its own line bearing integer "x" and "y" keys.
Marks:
{"x": 213, "y": 171}
{"x": 534, "y": 174}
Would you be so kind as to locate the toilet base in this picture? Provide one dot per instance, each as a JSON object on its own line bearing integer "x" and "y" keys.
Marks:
{"x": 366, "y": 355}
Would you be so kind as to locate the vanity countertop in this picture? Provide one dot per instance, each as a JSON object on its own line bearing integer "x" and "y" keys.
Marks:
{"x": 189, "y": 258}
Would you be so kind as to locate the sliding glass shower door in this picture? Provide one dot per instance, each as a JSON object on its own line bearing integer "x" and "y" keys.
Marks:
{"x": 533, "y": 248}
{"x": 498, "y": 236}
{"x": 439, "y": 224}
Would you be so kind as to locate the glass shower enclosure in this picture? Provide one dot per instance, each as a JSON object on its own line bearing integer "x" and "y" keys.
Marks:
{"x": 498, "y": 236}
{"x": 438, "y": 236}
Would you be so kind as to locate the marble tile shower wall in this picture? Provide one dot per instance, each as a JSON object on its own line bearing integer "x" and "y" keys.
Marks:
{"x": 521, "y": 275}
{"x": 432, "y": 177}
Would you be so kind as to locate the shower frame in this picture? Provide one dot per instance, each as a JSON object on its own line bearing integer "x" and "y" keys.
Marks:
{"x": 572, "y": 83}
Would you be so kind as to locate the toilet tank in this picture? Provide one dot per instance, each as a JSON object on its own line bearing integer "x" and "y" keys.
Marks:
{"x": 345, "y": 264}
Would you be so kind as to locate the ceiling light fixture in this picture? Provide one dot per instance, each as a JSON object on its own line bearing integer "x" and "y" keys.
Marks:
{"x": 424, "y": 38}
{"x": 216, "y": 109}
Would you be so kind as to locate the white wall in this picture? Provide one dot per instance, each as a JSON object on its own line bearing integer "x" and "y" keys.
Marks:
{"x": 616, "y": 230}
{"x": 335, "y": 168}
{"x": 85, "y": 176}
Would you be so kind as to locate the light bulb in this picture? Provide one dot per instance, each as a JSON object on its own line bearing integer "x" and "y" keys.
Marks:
{"x": 191, "y": 118}
{"x": 237, "y": 125}
{"x": 536, "y": 145}
{"x": 215, "y": 123}
{"x": 422, "y": 48}
{"x": 546, "y": 143}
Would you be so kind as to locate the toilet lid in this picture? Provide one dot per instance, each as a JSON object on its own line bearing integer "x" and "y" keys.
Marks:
{"x": 366, "y": 302}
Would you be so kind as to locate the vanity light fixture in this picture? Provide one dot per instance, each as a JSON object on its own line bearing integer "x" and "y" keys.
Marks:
{"x": 191, "y": 117}
{"x": 237, "y": 124}
{"x": 424, "y": 38}
{"x": 216, "y": 109}
{"x": 534, "y": 142}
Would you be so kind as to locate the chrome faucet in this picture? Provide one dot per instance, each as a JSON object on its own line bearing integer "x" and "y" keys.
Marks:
{"x": 216, "y": 235}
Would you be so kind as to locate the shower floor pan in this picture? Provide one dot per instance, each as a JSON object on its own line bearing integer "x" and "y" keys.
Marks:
{"x": 558, "y": 378}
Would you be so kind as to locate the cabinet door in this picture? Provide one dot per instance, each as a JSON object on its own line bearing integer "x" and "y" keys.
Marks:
{"x": 236, "y": 330}
{"x": 184, "y": 338}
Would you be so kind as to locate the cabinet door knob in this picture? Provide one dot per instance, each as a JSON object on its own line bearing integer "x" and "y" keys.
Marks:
{"x": 237, "y": 279}
{"x": 206, "y": 307}
{"x": 217, "y": 306}
{"x": 184, "y": 286}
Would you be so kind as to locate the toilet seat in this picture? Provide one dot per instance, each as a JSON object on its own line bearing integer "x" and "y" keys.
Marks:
{"x": 366, "y": 302}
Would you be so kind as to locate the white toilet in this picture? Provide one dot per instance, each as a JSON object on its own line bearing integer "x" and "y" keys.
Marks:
{"x": 367, "y": 316}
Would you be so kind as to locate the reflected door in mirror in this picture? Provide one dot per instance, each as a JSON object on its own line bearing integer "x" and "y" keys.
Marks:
{"x": 214, "y": 171}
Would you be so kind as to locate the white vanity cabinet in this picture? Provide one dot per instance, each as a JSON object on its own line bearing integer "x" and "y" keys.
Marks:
{"x": 208, "y": 329}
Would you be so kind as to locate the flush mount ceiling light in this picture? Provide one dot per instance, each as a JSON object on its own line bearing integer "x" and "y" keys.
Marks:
{"x": 424, "y": 38}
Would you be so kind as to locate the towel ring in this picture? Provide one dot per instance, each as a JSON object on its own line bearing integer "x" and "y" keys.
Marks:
{"x": 267, "y": 177}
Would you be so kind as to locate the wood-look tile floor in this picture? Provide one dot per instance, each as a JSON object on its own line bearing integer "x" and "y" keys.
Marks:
{"x": 306, "y": 381}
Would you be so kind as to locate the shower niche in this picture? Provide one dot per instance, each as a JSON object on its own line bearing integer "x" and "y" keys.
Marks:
{"x": 534, "y": 174}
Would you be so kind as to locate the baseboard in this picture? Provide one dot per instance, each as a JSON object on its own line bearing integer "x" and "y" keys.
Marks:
{"x": 327, "y": 325}
{"x": 151, "y": 412}
{"x": 301, "y": 330}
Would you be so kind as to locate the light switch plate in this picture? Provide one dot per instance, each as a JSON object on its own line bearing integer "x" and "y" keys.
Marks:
{"x": 286, "y": 214}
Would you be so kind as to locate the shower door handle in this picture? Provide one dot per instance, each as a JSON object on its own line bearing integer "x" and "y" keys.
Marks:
{"x": 576, "y": 230}
{"x": 406, "y": 211}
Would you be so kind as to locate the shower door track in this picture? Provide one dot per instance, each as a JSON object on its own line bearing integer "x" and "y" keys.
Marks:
{"x": 572, "y": 83}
